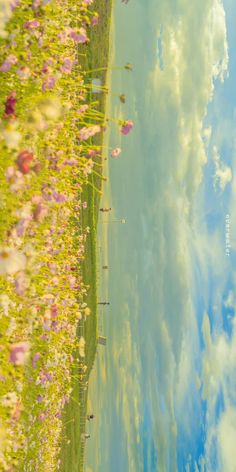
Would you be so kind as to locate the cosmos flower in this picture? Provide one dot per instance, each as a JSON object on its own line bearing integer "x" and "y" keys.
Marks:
{"x": 6, "y": 303}
{"x": 48, "y": 83}
{"x": 31, "y": 24}
{"x": 35, "y": 359}
{"x": 23, "y": 160}
{"x": 94, "y": 20}
{"x": 67, "y": 65}
{"x": 40, "y": 212}
{"x": 23, "y": 72}
{"x": 126, "y": 127}
{"x": 10, "y": 105}
{"x": 11, "y": 261}
{"x": 86, "y": 133}
{"x": 19, "y": 353}
{"x": 79, "y": 38}
{"x": 116, "y": 152}
{"x": 11, "y": 135}
{"x": 83, "y": 108}
{"x": 8, "y": 63}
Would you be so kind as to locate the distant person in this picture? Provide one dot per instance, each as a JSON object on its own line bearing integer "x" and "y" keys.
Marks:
{"x": 105, "y": 209}
{"x": 90, "y": 417}
{"x": 85, "y": 436}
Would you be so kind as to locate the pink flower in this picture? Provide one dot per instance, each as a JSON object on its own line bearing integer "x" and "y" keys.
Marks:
{"x": 63, "y": 36}
{"x": 54, "y": 311}
{"x": 94, "y": 20}
{"x": 67, "y": 65}
{"x": 40, "y": 398}
{"x": 86, "y": 133}
{"x": 79, "y": 38}
{"x": 49, "y": 83}
{"x": 40, "y": 212}
{"x": 43, "y": 416}
{"x": 18, "y": 353}
{"x": 116, "y": 152}
{"x": 23, "y": 160}
{"x": 23, "y": 72}
{"x": 71, "y": 162}
{"x": 8, "y": 63}
{"x": 14, "y": 4}
{"x": 47, "y": 63}
{"x": 10, "y": 105}
{"x": 92, "y": 153}
{"x": 83, "y": 108}
{"x": 59, "y": 197}
{"x": 35, "y": 359}
{"x": 31, "y": 24}
{"x": 126, "y": 127}
{"x": 36, "y": 4}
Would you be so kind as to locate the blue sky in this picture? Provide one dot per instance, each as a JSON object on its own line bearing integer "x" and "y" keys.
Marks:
{"x": 163, "y": 390}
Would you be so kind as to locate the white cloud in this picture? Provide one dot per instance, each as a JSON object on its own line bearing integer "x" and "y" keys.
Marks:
{"x": 218, "y": 375}
{"x": 226, "y": 436}
{"x": 223, "y": 173}
{"x": 229, "y": 302}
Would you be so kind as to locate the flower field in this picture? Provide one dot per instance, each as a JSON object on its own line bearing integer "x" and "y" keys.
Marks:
{"x": 49, "y": 121}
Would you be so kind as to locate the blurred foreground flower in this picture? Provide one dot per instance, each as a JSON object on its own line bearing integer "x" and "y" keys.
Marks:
{"x": 10, "y": 105}
{"x": 11, "y": 135}
{"x": 19, "y": 353}
{"x": 8, "y": 63}
{"x": 31, "y": 24}
{"x": 11, "y": 261}
{"x": 23, "y": 160}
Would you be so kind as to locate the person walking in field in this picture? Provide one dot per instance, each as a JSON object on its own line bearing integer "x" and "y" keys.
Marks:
{"x": 90, "y": 417}
{"x": 105, "y": 210}
{"x": 85, "y": 436}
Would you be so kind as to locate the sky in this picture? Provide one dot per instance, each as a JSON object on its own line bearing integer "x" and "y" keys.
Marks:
{"x": 163, "y": 390}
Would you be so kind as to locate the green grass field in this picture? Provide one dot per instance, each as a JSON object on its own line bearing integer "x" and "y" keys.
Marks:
{"x": 97, "y": 52}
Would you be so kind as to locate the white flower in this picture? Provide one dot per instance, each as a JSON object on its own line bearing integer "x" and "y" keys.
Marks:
{"x": 50, "y": 108}
{"x": 6, "y": 303}
{"x": 9, "y": 400}
{"x": 11, "y": 261}
{"x": 11, "y": 135}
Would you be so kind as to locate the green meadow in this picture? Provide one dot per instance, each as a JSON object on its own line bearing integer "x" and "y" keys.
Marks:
{"x": 96, "y": 56}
